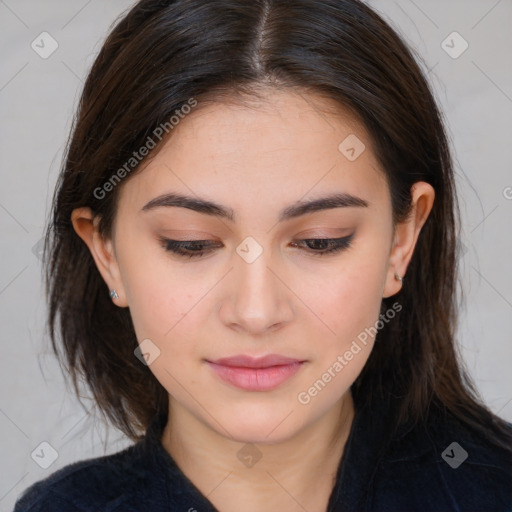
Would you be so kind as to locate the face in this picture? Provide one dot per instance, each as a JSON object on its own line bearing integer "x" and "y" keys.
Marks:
{"x": 258, "y": 280}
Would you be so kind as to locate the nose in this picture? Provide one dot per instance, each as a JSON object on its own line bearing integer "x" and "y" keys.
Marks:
{"x": 257, "y": 299}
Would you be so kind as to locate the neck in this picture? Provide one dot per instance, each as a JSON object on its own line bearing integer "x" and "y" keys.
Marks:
{"x": 296, "y": 474}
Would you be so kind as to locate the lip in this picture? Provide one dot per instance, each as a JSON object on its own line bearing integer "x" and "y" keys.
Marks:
{"x": 256, "y": 374}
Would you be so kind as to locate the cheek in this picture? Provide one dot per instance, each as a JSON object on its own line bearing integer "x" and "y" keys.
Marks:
{"x": 162, "y": 298}
{"x": 340, "y": 346}
{"x": 348, "y": 304}
{"x": 162, "y": 303}
{"x": 349, "y": 300}
{"x": 164, "y": 308}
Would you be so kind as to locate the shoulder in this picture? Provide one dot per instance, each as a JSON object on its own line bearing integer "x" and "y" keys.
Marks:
{"x": 442, "y": 464}
{"x": 114, "y": 482}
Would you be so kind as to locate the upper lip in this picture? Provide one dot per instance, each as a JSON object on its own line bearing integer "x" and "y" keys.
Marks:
{"x": 252, "y": 362}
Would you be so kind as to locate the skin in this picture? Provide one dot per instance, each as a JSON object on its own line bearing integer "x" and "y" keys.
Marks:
{"x": 257, "y": 159}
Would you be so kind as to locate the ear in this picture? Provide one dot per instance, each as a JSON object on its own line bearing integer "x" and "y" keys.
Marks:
{"x": 102, "y": 250}
{"x": 406, "y": 235}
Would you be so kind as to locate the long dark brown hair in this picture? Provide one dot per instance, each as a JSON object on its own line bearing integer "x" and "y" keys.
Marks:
{"x": 161, "y": 54}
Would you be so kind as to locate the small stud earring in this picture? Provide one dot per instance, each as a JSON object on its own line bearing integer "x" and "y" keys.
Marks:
{"x": 398, "y": 277}
{"x": 113, "y": 294}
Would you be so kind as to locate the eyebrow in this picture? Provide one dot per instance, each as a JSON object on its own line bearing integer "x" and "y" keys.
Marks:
{"x": 340, "y": 200}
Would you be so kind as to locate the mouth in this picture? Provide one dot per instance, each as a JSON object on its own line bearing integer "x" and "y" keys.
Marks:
{"x": 256, "y": 374}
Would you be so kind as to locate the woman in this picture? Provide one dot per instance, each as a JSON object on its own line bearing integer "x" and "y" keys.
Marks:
{"x": 252, "y": 263}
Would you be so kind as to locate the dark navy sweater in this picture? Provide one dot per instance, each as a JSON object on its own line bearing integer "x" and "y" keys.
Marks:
{"x": 436, "y": 466}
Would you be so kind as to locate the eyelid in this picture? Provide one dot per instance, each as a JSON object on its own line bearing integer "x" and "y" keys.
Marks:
{"x": 179, "y": 249}
{"x": 201, "y": 236}
{"x": 323, "y": 234}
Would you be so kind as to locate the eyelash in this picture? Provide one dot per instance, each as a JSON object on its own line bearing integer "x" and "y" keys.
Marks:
{"x": 180, "y": 247}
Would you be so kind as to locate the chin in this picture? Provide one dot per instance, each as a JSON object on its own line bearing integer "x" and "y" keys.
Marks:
{"x": 272, "y": 427}
{"x": 260, "y": 435}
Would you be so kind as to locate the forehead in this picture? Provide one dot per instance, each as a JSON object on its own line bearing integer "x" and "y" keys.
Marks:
{"x": 275, "y": 150}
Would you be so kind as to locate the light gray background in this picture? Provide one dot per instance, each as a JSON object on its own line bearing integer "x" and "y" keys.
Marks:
{"x": 37, "y": 100}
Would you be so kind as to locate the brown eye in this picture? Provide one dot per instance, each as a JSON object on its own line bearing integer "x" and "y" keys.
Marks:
{"x": 326, "y": 245}
{"x": 187, "y": 248}
{"x": 196, "y": 248}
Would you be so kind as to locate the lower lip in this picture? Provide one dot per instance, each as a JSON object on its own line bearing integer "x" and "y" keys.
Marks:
{"x": 255, "y": 379}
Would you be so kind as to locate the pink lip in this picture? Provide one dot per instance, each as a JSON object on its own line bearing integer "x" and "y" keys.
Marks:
{"x": 259, "y": 374}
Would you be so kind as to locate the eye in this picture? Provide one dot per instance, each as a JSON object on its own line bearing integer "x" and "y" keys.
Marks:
{"x": 195, "y": 248}
{"x": 187, "y": 248}
{"x": 333, "y": 244}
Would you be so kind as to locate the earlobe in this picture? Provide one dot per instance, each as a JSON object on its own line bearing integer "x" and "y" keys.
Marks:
{"x": 397, "y": 260}
{"x": 85, "y": 224}
{"x": 406, "y": 236}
